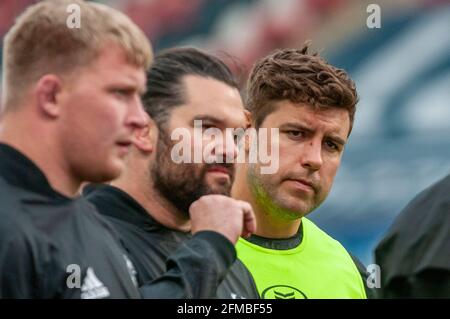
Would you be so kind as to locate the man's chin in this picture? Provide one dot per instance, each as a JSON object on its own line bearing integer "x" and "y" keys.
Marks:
{"x": 107, "y": 173}
{"x": 219, "y": 190}
{"x": 220, "y": 186}
{"x": 217, "y": 178}
{"x": 294, "y": 205}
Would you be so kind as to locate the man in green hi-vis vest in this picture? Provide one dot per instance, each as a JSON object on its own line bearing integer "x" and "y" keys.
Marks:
{"x": 312, "y": 104}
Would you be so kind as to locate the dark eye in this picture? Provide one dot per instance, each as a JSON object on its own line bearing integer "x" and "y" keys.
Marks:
{"x": 122, "y": 93}
{"x": 295, "y": 134}
{"x": 332, "y": 146}
{"x": 206, "y": 126}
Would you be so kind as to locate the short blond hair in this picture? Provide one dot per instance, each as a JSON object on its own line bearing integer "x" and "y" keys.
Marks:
{"x": 40, "y": 42}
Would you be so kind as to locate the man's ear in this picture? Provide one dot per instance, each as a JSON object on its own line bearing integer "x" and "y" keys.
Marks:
{"x": 46, "y": 91}
{"x": 144, "y": 138}
{"x": 248, "y": 119}
{"x": 248, "y": 125}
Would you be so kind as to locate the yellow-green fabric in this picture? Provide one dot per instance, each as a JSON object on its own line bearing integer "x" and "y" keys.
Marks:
{"x": 320, "y": 267}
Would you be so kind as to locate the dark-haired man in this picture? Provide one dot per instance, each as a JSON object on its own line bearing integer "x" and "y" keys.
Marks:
{"x": 312, "y": 104}
{"x": 70, "y": 106}
{"x": 189, "y": 93}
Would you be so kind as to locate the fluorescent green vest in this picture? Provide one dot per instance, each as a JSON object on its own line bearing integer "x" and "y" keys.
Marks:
{"x": 319, "y": 267}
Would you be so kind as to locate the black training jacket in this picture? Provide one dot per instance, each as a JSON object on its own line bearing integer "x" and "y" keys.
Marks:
{"x": 414, "y": 255}
{"x": 149, "y": 243}
{"x": 52, "y": 246}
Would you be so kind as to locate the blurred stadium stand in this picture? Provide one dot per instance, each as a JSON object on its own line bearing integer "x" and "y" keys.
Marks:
{"x": 400, "y": 143}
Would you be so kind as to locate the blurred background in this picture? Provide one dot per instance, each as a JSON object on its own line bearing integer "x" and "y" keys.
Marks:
{"x": 401, "y": 139}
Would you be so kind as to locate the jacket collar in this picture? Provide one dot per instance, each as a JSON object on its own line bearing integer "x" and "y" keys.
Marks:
{"x": 114, "y": 202}
{"x": 19, "y": 171}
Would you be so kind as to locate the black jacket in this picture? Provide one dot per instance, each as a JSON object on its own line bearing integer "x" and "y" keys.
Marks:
{"x": 414, "y": 255}
{"x": 149, "y": 243}
{"x": 52, "y": 246}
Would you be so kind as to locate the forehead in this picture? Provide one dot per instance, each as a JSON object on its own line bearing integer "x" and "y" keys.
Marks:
{"x": 209, "y": 97}
{"x": 111, "y": 65}
{"x": 331, "y": 120}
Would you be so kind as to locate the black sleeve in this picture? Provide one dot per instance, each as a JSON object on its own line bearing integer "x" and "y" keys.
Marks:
{"x": 430, "y": 283}
{"x": 371, "y": 293}
{"x": 195, "y": 270}
{"x": 17, "y": 273}
{"x": 253, "y": 285}
{"x": 414, "y": 253}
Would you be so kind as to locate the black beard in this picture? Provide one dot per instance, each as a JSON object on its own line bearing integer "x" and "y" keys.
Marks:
{"x": 182, "y": 184}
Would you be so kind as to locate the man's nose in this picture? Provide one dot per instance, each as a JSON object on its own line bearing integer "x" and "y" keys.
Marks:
{"x": 137, "y": 117}
{"x": 227, "y": 148}
{"x": 311, "y": 157}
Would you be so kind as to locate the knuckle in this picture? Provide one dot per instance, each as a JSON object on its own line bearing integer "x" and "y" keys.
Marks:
{"x": 194, "y": 206}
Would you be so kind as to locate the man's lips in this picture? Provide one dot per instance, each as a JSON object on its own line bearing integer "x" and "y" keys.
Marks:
{"x": 219, "y": 169}
{"x": 124, "y": 145}
{"x": 302, "y": 183}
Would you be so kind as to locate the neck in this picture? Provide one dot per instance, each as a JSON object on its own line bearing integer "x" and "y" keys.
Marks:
{"x": 141, "y": 188}
{"x": 268, "y": 225}
{"x": 20, "y": 130}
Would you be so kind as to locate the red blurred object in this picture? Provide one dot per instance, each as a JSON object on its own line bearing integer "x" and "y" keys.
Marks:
{"x": 9, "y": 10}
{"x": 162, "y": 16}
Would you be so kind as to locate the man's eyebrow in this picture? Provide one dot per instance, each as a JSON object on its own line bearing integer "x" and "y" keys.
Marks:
{"x": 295, "y": 125}
{"x": 129, "y": 86}
{"x": 302, "y": 127}
{"x": 337, "y": 139}
{"x": 216, "y": 121}
{"x": 207, "y": 118}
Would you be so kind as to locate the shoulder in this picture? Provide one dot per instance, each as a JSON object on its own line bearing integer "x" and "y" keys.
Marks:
{"x": 427, "y": 214}
{"x": 22, "y": 242}
{"x": 419, "y": 234}
{"x": 11, "y": 199}
{"x": 15, "y": 222}
{"x": 313, "y": 232}
{"x": 324, "y": 247}
{"x": 434, "y": 200}
{"x": 20, "y": 260}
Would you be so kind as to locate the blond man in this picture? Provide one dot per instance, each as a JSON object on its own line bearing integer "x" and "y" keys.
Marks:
{"x": 71, "y": 101}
